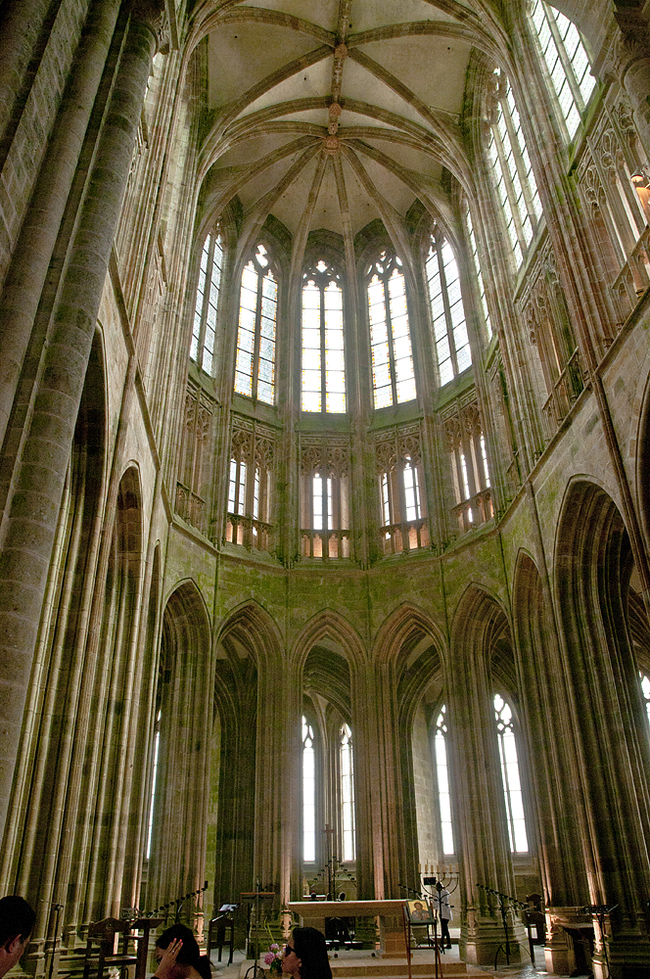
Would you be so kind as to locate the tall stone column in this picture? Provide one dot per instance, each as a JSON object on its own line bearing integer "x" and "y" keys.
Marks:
{"x": 26, "y": 275}
{"x": 32, "y": 513}
{"x": 20, "y": 24}
{"x": 630, "y": 65}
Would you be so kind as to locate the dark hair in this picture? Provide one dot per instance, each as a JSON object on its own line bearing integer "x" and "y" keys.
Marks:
{"x": 310, "y": 947}
{"x": 189, "y": 953}
{"x": 17, "y": 918}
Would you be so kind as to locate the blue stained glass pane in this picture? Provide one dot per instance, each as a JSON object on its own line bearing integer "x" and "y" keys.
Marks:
{"x": 442, "y": 348}
{"x": 265, "y": 371}
{"x": 246, "y": 340}
{"x": 269, "y": 308}
{"x": 244, "y": 362}
{"x": 267, "y": 349}
{"x": 267, "y": 328}
{"x": 243, "y": 383}
{"x": 463, "y": 358}
{"x": 440, "y": 328}
{"x": 269, "y": 287}
{"x": 265, "y": 392}
{"x": 446, "y": 372}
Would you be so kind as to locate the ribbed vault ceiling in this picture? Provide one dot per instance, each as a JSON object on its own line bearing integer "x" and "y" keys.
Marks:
{"x": 332, "y": 113}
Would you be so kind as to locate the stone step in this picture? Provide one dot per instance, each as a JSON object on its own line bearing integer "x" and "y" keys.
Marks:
{"x": 367, "y": 967}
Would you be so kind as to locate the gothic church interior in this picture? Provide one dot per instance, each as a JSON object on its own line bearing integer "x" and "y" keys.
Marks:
{"x": 324, "y": 407}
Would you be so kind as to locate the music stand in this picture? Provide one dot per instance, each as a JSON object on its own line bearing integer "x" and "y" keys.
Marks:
{"x": 255, "y": 901}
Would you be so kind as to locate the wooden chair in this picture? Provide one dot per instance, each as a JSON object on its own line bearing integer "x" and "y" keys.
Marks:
{"x": 104, "y": 934}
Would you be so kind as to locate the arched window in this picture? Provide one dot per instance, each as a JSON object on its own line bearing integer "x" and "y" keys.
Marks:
{"x": 308, "y": 793}
{"x": 207, "y": 304}
{"x": 250, "y": 486}
{"x": 402, "y": 498}
{"x": 513, "y": 173}
{"x": 154, "y": 779}
{"x": 323, "y": 361}
{"x": 390, "y": 338}
{"x": 447, "y": 311}
{"x": 442, "y": 777}
{"x": 510, "y": 775}
{"x": 567, "y": 63}
{"x": 258, "y": 309}
{"x": 325, "y": 497}
{"x": 478, "y": 270}
{"x": 347, "y": 793}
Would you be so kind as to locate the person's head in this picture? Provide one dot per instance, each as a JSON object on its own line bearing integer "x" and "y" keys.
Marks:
{"x": 16, "y": 925}
{"x": 189, "y": 954}
{"x": 418, "y": 905}
{"x": 306, "y": 955}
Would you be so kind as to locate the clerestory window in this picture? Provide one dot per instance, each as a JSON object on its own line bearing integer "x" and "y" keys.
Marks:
{"x": 206, "y": 305}
{"x": 258, "y": 313}
{"x": 447, "y": 311}
{"x": 510, "y": 774}
{"x": 323, "y": 354}
{"x": 512, "y": 170}
{"x": 476, "y": 259}
{"x": 390, "y": 337}
{"x": 567, "y": 63}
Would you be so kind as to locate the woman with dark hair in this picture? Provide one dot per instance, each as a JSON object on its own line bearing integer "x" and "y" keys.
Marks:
{"x": 178, "y": 955}
{"x": 305, "y": 955}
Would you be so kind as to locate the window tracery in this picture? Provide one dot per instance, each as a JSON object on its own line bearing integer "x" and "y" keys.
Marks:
{"x": 206, "y": 305}
{"x": 390, "y": 337}
{"x": 512, "y": 169}
{"x": 258, "y": 312}
{"x": 190, "y": 487}
{"x": 447, "y": 310}
{"x": 323, "y": 352}
{"x": 398, "y": 458}
{"x": 248, "y": 520}
{"x": 465, "y": 442}
{"x": 442, "y": 779}
{"x": 325, "y": 497}
{"x": 511, "y": 777}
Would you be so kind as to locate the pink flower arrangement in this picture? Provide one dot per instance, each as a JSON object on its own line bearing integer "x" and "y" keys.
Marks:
{"x": 273, "y": 958}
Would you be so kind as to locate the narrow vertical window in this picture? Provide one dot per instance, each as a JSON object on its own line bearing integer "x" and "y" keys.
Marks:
{"x": 323, "y": 360}
{"x": 308, "y": 793}
{"x": 258, "y": 305}
{"x": 154, "y": 778}
{"x": 237, "y": 487}
{"x": 390, "y": 337}
{"x": 478, "y": 270}
{"x": 645, "y": 689}
{"x": 347, "y": 794}
{"x": 207, "y": 304}
{"x": 513, "y": 173}
{"x": 442, "y": 775}
{"x": 567, "y": 63}
{"x": 447, "y": 310}
{"x": 510, "y": 774}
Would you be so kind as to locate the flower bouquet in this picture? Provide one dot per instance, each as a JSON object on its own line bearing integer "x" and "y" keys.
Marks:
{"x": 273, "y": 958}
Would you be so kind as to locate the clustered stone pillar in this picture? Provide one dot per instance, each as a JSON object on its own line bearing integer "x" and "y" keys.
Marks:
{"x": 32, "y": 511}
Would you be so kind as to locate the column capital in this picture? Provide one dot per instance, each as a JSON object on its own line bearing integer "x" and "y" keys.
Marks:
{"x": 153, "y": 13}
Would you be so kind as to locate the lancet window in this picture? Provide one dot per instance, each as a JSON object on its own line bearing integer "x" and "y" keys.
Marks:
{"x": 567, "y": 63}
{"x": 645, "y": 691}
{"x": 447, "y": 310}
{"x": 154, "y": 779}
{"x": 206, "y": 305}
{"x": 404, "y": 524}
{"x": 325, "y": 498}
{"x": 511, "y": 777}
{"x": 442, "y": 778}
{"x": 465, "y": 440}
{"x": 323, "y": 355}
{"x": 308, "y": 793}
{"x": 346, "y": 763}
{"x": 512, "y": 170}
{"x": 390, "y": 337}
{"x": 476, "y": 260}
{"x": 258, "y": 313}
{"x": 249, "y": 485}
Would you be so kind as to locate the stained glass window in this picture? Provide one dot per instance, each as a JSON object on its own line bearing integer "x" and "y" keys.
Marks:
{"x": 510, "y": 774}
{"x": 513, "y": 173}
{"x": 323, "y": 353}
{"x": 567, "y": 62}
{"x": 442, "y": 774}
{"x": 390, "y": 337}
{"x": 258, "y": 307}
{"x": 206, "y": 305}
{"x": 447, "y": 310}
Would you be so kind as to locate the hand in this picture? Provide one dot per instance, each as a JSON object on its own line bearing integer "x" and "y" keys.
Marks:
{"x": 168, "y": 958}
